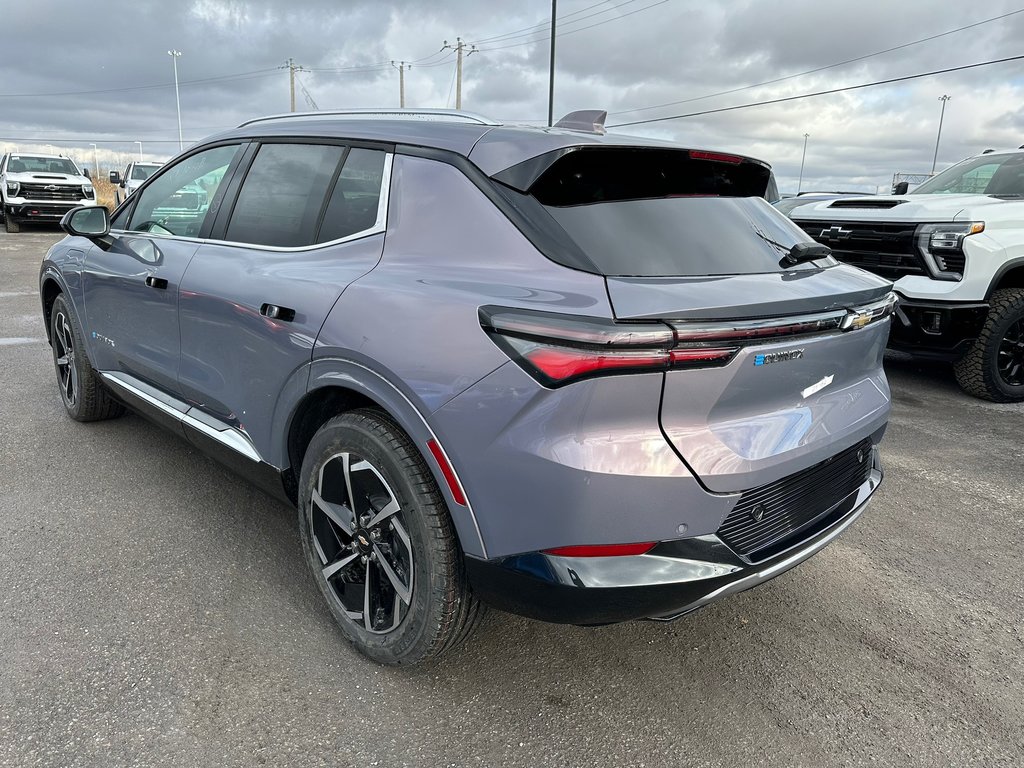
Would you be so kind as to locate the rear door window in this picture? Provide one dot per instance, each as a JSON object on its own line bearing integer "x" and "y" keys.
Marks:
{"x": 282, "y": 197}
{"x": 666, "y": 213}
{"x": 356, "y": 196}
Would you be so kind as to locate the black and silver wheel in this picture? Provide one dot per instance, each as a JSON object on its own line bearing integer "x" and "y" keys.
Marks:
{"x": 379, "y": 540}
{"x": 993, "y": 369}
{"x": 83, "y": 395}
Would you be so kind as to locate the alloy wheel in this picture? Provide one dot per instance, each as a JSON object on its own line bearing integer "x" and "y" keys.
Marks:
{"x": 64, "y": 356}
{"x": 365, "y": 551}
{"x": 1010, "y": 356}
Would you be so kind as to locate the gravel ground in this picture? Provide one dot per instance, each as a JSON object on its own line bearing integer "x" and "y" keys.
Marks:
{"x": 154, "y": 610}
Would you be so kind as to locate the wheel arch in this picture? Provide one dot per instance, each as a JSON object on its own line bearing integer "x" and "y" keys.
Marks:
{"x": 1010, "y": 275}
{"x": 336, "y": 386}
{"x": 48, "y": 293}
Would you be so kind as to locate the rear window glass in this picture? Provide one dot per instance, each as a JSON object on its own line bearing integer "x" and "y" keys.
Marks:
{"x": 663, "y": 213}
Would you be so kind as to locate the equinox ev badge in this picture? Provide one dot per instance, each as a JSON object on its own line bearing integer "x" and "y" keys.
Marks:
{"x": 778, "y": 357}
{"x": 835, "y": 233}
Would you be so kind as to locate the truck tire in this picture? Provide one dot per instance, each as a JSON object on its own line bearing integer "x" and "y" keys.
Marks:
{"x": 11, "y": 224}
{"x": 993, "y": 369}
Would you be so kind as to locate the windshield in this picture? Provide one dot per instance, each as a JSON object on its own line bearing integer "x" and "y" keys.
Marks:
{"x": 142, "y": 172}
{"x": 27, "y": 164}
{"x": 1000, "y": 175}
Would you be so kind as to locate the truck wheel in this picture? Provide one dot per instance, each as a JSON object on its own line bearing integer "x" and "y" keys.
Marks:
{"x": 11, "y": 224}
{"x": 83, "y": 395}
{"x": 380, "y": 543}
{"x": 993, "y": 369}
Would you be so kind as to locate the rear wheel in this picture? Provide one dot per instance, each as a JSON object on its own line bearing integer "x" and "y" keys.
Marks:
{"x": 993, "y": 369}
{"x": 81, "y": 391}
{"x": 11, "y": 224}
{"x": 382, "y": 547}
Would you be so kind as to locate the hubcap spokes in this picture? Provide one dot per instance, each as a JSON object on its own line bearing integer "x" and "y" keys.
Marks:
{"x": 365, "y": 552}
{"x": 1010, "y": 356}
{"x": 64, "y": 355}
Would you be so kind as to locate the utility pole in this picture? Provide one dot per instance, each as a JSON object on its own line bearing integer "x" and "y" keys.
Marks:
{"x": 459, "y": 47}
{"x": 175, "y": 55}
{"x": 942, "y": 114}
{"x": 401, "y": 67}
{"x": 95, "y": 159}
{"x": 803, "y": 157}
{"x": 551, "y": 69}
{"x": 292, "y": 68}
{"x": 140, "y": 150}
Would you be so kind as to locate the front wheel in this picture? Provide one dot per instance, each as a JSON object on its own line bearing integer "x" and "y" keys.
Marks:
{"x": 11, "y": 224}
{"x": 381, "y": 545}
{"x": 993, "y": 369}
{"x": 83, "y": 395}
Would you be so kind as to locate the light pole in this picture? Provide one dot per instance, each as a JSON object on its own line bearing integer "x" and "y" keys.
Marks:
{"x": 551, "y": 67}
{"x": 95, "y": 159}
{"x": 803, "y": 157}
{"x": 175, "y": 55}
{"x": 938, "y": 136}
{"x": 140, "y": 150}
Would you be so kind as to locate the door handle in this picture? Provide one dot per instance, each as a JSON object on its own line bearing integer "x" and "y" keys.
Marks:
{"x": 275, "y": 312}
{"x": 156, "y": 282}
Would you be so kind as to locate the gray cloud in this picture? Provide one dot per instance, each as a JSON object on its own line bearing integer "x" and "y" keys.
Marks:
{"x": 681, "y": 49}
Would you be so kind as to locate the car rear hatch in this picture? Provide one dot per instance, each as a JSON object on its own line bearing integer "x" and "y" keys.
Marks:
{"x": 684, "y": 238}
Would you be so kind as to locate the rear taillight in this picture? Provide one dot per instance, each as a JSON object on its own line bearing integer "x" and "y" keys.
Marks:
{"x": 603, "y": 550}
{"x": 559, "y": 349}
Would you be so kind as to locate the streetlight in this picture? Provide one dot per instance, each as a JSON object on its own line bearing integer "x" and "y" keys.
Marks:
{"x": 175, "y": 55}
{"x": 140, "y": 150}
{"x": 95, "y": 158}
{"x": 938, "y": 136}
{"x": 803, "y": 157}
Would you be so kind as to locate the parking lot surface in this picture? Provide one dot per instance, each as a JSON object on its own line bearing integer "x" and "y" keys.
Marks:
{"x": 155, "y": 610}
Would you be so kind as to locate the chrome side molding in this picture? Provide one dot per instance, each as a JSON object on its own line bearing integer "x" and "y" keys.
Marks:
{"x": 225, "y": 434}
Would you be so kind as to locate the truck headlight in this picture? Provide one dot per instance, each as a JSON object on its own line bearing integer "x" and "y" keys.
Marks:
{"x": 88, "y": 190}
{"x": 12, "y": 188}
{"x": 942, "y": 247}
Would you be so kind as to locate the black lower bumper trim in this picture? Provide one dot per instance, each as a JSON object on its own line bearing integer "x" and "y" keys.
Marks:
{"x": 936, "y": 330}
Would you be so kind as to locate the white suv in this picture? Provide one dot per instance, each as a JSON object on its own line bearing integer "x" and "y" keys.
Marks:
{"x": 41, "y": 188}
{"x": 955, "y": 249}
{"x": 132, "y": 178}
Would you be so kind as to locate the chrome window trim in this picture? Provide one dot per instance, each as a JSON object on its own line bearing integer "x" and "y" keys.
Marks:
{"x": 378, "y": 227}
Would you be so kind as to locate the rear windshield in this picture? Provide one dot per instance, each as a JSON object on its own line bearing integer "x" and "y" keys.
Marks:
{"x": 667, "y": 213}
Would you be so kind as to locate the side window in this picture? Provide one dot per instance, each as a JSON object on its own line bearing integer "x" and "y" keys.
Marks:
{"x": 283, "y": 193}
{"x": 353, "y": 204}
{"x": 177, "y": 201}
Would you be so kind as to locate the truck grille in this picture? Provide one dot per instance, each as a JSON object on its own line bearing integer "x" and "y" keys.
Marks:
{"x": 774, "y": 513}
{"x": 887, "y": 249}
{"x": 69, "y": 192}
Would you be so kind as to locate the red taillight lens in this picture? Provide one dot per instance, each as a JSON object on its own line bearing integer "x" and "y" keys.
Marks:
{"x": 721, "y": 157}
{"x": 559, "y": 349}
{"x": 603, "y": 550}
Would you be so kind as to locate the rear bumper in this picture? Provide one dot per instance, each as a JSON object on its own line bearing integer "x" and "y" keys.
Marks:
{"x": 673, "y": 579}
{"x": 936, "y": 330}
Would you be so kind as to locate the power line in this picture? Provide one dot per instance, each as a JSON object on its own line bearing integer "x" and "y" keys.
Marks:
{"x": 888, "y": 81}
{"x": 546, "y": 26}
{"x": 820, "y": 69}
{"x": 573, "y": 31}
{"x": 255, "y": 74}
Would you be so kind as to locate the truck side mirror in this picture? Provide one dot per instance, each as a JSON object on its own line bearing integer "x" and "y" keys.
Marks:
{"x": 115, "y": 177}
{"x": 900, "y": 188}
{"x": 85, "y": 172}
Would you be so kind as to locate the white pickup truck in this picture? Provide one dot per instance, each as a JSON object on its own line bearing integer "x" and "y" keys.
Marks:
{"x": 954, "y": 247}
{"x": 41, "y": 188}
{"x": 131, "y": 179}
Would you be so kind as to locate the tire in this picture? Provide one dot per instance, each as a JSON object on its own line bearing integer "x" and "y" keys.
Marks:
{"x": 993, "y": 369}
{"x": 12, "y": 225}
{"x": 81, "y": 391}
{"x": 424, "y": 607}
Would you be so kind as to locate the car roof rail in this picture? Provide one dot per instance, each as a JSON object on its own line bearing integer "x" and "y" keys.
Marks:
{"x": 427, "y": 115}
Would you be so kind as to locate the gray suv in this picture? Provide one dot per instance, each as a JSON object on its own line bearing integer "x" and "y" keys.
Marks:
{"x": 581, "y": 377}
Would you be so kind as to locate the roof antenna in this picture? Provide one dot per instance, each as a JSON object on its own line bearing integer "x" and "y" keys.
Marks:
{"x": 585, "y": 120}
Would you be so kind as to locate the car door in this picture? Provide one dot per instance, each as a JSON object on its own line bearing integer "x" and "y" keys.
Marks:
{"x": 130, "y": 286}
{"x": 307, "y": 220}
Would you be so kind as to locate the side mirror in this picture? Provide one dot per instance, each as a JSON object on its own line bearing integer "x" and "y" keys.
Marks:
{"x": 901, "y": 188}
{"x": 91, "y": 221}
{"x": 115, "y": 177}
{"x": 85, "y": 172}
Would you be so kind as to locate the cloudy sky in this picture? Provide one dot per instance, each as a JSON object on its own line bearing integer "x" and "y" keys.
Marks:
{"x": 74, "y": 73}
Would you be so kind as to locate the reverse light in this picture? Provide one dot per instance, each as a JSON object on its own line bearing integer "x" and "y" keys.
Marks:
{"x": 603, "y": 550}
{"x": 941, "y": 247}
